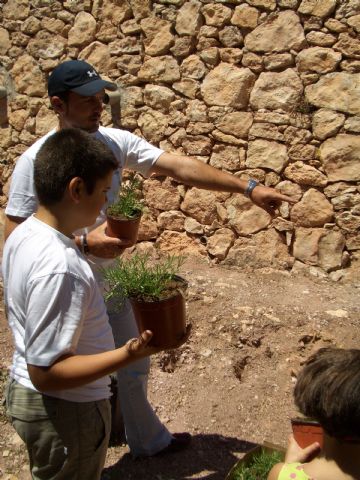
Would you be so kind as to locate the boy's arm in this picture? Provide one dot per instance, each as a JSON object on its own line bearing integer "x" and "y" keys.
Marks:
{"x": 71, "y": 371}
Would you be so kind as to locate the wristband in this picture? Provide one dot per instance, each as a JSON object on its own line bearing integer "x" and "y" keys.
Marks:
{"x": 84, "y": 245}
{"x": 250, "y": 187}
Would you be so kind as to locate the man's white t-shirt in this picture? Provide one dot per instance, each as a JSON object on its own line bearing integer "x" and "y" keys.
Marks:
{"x": 131, "y": 152}
{"x": 54, "y": 305}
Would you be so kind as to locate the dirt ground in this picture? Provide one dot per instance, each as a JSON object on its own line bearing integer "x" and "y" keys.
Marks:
{"x": 231, "y": 384}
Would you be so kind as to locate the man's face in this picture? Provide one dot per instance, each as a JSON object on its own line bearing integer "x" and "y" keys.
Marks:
{"x": 83, "y": 112}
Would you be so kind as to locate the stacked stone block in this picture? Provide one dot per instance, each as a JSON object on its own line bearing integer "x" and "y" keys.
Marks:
{"x": 268, "y": 89}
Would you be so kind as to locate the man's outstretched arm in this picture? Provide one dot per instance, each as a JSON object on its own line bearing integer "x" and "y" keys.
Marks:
{"x": 193, "y": 172}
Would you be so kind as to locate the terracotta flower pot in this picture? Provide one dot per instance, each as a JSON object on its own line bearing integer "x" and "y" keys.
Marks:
{"x": 165, "y": 318}
{"x": 307, "y": 431}
{"x": 122, "y": 227}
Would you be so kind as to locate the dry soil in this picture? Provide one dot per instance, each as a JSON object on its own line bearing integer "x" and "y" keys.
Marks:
{"x": 231, "y": 384}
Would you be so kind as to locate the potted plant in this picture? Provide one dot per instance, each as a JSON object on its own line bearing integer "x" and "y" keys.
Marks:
{"x": 123, "y": 216}
{"x": 257, "y": 462}
{"x": 307, "y": 431}
{"x": 156, "y": 293}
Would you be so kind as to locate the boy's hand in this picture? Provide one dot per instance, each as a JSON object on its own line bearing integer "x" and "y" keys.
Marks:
{"x": 104, "y": 246}
{"x": 269, "y": 199}
{"x": 139, "y": 346}
{"x": 295, "y": 453}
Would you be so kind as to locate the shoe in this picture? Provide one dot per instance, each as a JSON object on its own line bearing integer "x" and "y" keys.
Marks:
{"x": 179, "y": 442}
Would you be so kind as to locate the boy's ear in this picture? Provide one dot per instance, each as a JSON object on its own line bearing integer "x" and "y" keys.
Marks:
{"x": 76, "y": 189}
{"x": 58, "y": 105}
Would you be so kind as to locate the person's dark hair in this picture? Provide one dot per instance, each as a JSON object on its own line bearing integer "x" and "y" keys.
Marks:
{"x": 67, "y": 154}
{"x": 328, "y": 390}
{"x": 64, "y": 96}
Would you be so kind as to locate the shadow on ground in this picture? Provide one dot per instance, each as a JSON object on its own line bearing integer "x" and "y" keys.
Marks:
{"x": 209, "y": 457}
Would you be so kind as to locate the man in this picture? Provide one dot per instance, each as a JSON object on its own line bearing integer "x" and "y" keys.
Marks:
{"x": 76, "y": 94}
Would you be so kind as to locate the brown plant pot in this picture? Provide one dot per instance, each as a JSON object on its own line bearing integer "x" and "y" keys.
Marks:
{"x": 307, "y": 431}
{"x": 122, "y": 227}
{"x": 165, "y": 318}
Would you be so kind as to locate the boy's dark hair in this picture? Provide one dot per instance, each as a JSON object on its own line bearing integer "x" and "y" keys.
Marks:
{"x": 67, "y": 154}
{"x": 328, "y": 390}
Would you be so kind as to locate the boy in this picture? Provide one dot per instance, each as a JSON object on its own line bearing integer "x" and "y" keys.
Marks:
{"x": 58, "y": 392}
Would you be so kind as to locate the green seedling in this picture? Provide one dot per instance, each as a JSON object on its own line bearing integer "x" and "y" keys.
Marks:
{"x": 142, "y": 278}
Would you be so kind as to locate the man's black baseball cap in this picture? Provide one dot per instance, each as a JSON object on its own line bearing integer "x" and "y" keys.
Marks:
{"x": 79, "y": 77}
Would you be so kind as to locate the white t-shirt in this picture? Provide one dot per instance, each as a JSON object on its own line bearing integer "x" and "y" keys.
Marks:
{"x": 53, "y": 304}
{"x": 130, "y": 151}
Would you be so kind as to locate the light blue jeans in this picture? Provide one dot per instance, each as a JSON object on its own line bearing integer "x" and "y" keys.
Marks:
{"x": 145, "y": 434}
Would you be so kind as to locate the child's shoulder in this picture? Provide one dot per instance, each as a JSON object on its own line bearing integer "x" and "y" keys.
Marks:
{"x": 42, "y": 250}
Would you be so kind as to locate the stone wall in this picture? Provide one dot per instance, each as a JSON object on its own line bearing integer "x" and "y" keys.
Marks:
{"x": 268, "y": 89}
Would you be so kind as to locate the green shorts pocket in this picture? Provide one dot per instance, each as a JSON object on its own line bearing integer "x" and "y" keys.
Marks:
{"x": 28, "y": 405}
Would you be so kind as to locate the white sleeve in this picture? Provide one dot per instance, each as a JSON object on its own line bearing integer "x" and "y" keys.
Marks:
{"x": 55, "y": 311}
{"x": 22, "y": 200}
{"x": 140, "y": 154}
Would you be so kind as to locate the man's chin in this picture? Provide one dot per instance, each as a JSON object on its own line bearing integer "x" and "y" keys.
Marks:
{"x": 92, "y": 129}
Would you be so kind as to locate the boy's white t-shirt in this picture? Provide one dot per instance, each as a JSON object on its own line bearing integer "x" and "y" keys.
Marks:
{"x": 131, "y": 152}
{"x": 54, "y": 305}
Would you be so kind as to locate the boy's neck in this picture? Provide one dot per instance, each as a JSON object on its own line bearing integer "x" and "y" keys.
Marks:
{"x": 55, "y": 218}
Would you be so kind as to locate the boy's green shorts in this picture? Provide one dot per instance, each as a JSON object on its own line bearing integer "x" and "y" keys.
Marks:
{"x": 65, "y": 440}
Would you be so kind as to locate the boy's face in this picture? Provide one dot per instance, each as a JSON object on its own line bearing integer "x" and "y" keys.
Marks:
{"x": 83, "y": 112}
{"x": 93, "y": 202}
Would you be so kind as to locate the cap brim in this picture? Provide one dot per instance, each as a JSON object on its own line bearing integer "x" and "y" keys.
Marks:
{"x": 92, "y": 88}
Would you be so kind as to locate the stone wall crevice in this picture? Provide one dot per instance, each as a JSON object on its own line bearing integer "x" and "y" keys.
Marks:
{"x": 268, "y": 89}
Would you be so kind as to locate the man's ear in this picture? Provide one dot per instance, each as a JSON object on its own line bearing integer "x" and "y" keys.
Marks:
{"x": 76, "y": 189}
{"x": 58, "y": 105}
